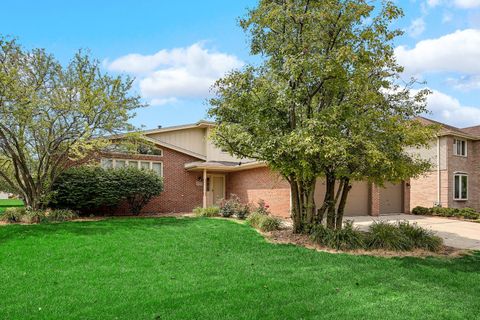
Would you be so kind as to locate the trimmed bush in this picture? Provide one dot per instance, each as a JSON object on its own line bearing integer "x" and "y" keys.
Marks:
{"x": 212, "y": 211}
{"x": 420, "y": 211}
{"x": 234, "y": 207}
{"x": 243, "y": 212}
{"x": 13, "y": 214}
{"x": 86, "y": 189}
{"x": 468, "y": 213}
{"x": 347, "y": 238}
{"x": 383, "y": 235}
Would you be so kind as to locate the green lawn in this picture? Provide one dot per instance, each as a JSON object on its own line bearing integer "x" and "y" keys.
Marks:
{"x": 196, "y": 268}
{"x": 7, "y": 203}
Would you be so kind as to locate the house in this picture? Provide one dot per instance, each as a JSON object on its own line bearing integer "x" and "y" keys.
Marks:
{"x": 196, "y": 173}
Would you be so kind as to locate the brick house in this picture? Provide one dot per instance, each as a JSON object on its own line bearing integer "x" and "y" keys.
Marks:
{"x": 196, "y": 173}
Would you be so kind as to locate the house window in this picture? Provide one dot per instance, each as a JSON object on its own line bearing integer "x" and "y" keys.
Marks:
{"x": 156, "y": 166}
{"x": 460, "y": 188}
{"x": 460, "y": 147}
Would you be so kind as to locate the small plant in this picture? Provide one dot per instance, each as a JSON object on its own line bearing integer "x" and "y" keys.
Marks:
{"x": 263, "y": 222}
{"x": 212, "y": 211}
{"x": 230, "y": 207}
{"x": 243, "y": 212}
{"x": 262, "y": 208}
{"x": 383, "y": 235}
{"x": 13, "y": 214}
{"x": 420, "y": 211}
{"x": 59, "y": 215}
{"x": 420, "y": 238}
{"x": 33, "y": 216}
{"x": 347, "y": 238}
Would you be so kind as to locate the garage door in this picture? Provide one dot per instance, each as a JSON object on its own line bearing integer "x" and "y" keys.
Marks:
{"x": 357, "y": 201}
{"x": 391, "y": 198}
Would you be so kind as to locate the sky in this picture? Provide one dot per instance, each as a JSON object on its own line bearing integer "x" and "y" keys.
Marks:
{"x": 175, "y": 50}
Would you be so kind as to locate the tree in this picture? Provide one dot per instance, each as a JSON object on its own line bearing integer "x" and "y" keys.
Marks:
{"x": 326, "y": 100}
{"x": 52, "y": 114}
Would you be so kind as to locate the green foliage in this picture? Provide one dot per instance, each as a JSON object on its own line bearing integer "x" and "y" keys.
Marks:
{"x": 263, "y": 222}
{"x": 346, "y": 238}
{"x": 467, "y": 213}
{"x": 212, "y": 211}
{"x": 420, "y": 238}
{"x": 387, "y": 236}
{"x": 418, "y": 210}
{"x": 234, "y": 207}
{"x": 13, "y": 214}
{"x": 87, "y": 188}
{"x": 324, "y": 100}
{"x": 138, "y": 187}
{"x": 60, "y": 215}
{"x": 52, "y": 113}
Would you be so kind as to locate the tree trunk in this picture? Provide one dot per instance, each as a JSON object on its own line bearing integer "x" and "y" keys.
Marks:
{"x": 343, "y": 201}
{"x": 330, "y": 199}
{"x": 303, "y": 203}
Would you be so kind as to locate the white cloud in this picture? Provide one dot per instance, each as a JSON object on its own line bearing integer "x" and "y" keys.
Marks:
{"x": 447, "y": 17}
{"x": 455, "y": 52}
{"x": 449, "y": 110}
{"x": 467, "y": 4}
{"x": 462, "y": 4}
{"x": 417, "y": 27}
{"x": 169, "y": 75}
{"x": 465, "y": 83}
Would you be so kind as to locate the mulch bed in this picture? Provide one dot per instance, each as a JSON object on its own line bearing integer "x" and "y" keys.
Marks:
{"x": 286, "y": 236}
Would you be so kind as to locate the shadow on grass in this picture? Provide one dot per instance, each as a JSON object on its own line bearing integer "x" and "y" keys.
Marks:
{"x": 89, "y": 228}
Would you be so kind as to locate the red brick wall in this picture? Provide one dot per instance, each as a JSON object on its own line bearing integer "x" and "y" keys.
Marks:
{"x": 180, "y": 194}
{"x": 261, "y": 183}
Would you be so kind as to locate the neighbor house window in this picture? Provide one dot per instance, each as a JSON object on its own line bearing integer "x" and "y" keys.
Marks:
{"x": 459, "y": 147}
{"x": 460, "y": 188}
{"x": 140, "y": 164}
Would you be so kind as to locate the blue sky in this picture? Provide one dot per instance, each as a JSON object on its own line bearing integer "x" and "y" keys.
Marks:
{"x": 176, "y": 49}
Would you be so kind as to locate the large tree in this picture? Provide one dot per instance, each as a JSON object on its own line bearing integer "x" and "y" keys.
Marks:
{"x": 52, "y": 114}
{"x": 326, "y": 100}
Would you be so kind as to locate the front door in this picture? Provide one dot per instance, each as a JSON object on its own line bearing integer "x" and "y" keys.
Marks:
{"x": 215, "y": 189}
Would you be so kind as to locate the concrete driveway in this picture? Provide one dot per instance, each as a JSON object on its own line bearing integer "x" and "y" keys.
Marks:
{"x": 456, "y": 233}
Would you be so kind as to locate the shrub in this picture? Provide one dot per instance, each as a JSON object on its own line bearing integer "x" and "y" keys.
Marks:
{"x": 230, "y": 206}
{"x": 243, "y": 212}
{"x": 420, "y": 238}
{"x": 383, "y": 235}
{"x": 444, "y": 212}
{"x": 262, "y": 208}
{"x": 13, "y": 214}
{"x": 263, "y": 222}
{"x": 138, "y": 186}
{"x": 420, "y": 211}
{"x": 88, "y": 188}
{"x": 33, "y": 216}
{"x": 347, "y": 238}
{"x": 59, "y": 215}
{"x": 468, "y": 213}
{"x": 212, "y": 211}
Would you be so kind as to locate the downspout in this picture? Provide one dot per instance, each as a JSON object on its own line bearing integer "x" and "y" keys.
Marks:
{"x": 439, "y": 181}
{"x": 204, "y": 188}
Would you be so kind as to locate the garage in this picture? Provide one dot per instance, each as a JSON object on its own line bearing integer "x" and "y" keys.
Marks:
{"x": 357, "y": 201}
{"x": 391, "y": 198}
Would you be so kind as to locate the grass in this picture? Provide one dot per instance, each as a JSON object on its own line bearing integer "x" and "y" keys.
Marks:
{"x": 8, "y": 203}
{"x": 199, "y": 268}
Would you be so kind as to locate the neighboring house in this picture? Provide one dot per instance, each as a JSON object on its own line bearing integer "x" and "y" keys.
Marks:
{"x": 454, "y": 179}
{"x": 3, "y": 195}
{"x": 196, "y": 173}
